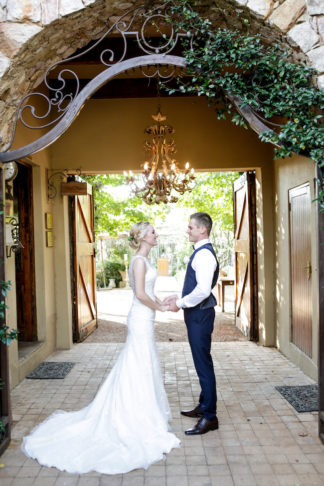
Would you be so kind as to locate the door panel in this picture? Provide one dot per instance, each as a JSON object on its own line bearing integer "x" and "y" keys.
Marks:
{"x": 245, "y": 255}
{"x": 85, "y": 308}
{"x": 320, "y": 283}
{"x": 25, "y": 258}
{"x": 301, "y": 268}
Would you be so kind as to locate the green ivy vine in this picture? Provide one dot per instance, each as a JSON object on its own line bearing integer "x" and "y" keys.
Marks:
{"x": 280, "y": 91}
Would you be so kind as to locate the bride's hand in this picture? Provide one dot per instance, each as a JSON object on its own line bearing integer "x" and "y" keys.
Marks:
{"x": 163, "y": 308}
{"x": 168, "y": 299}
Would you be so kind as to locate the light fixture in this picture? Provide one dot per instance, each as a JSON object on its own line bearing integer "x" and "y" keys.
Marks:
{"x": 162, "y": 180}
{"x": 80, "y": 187}
{"x": 13, "y": 243}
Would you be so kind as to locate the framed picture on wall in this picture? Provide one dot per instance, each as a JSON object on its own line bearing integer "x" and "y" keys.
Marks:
{"x": 48, "y": 220}
{"x": 49, "y": 239}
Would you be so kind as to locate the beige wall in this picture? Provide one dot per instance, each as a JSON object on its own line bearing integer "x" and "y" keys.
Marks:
{"x": 108, "y": 135}
{"x": 265, "y": 254}
{"x": 290, "y": 173}
{"x": 44, "y": 269}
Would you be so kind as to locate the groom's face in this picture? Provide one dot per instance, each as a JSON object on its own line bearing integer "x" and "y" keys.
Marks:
{"x": 194, "y": 231}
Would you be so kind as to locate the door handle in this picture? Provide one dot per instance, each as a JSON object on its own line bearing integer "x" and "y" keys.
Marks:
{"x": 308, "y": 270}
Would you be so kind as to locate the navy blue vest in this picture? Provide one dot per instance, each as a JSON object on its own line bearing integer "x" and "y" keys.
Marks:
{"x": 191, "y": 282}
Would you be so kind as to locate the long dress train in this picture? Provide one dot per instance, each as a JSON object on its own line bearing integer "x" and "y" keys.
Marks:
{"x": 126, "y": 425}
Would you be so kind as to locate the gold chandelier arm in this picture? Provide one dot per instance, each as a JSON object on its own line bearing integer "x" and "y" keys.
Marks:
{"x": 162, "y": 177}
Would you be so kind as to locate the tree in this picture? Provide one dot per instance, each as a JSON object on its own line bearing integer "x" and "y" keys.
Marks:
{"x": 213, "y": 195}
{"x": 224, "y": 65}
{"x": 114, "y": 215}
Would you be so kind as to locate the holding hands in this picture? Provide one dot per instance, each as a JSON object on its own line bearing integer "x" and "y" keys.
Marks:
{"x": 171, "y": 303}
{"x": 168, "y": 304}
{"x": 164, "y": 308}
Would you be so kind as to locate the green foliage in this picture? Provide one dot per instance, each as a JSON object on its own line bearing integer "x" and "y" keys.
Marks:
{"x": 264, "y": 77}
{"x": 112, "y": 270}
{"x": 119, "y": 249}
{"x": 5, "y": 286}
{"x": 213, "y": 194}
{"x": 113, "y": 215}
{"x": 6, "y": 335}
{"x": 180, "y": 256}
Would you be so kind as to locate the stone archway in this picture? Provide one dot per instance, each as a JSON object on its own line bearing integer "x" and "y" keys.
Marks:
{"x": 38, "y": 33}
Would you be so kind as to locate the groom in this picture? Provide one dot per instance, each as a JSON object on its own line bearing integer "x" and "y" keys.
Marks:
{"x": 198, "y": 303}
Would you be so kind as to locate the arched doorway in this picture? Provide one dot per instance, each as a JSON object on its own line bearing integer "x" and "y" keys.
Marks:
{"x": 69, "y": 105}
{"x": 119, "y": 50}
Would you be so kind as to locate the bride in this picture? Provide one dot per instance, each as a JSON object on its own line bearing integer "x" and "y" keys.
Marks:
{"x": 125, "y": 427}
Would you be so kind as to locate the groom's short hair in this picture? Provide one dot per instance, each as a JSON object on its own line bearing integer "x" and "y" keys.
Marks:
{"x": 203, "y": 219}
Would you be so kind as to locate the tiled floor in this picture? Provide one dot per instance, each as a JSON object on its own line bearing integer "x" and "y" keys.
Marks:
{"x": 262, "y": 440}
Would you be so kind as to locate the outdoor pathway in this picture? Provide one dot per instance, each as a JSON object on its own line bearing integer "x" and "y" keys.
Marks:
{"x": 262, "y": 440}
{"x": 113, "y": 306}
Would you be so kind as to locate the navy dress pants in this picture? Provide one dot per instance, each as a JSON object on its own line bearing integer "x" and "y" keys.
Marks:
{"x": 200, "y": 325}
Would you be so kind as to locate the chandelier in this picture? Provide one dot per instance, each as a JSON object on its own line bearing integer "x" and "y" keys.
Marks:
{"x": 161, "y": 181}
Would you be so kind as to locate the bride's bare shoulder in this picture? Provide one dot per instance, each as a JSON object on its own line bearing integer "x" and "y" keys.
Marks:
{"x": 138, "y": 261}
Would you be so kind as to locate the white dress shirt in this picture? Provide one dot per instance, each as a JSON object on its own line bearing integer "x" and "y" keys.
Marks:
{"x": 204, "y": 264}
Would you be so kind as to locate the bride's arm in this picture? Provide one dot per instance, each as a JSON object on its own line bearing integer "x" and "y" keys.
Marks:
{"x": 139, "y": 269}
{"x": 158, "y": 300}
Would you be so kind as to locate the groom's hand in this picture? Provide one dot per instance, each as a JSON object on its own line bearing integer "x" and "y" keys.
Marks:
{"x": 169, "y": 299}
{"x": 172, "y": 304}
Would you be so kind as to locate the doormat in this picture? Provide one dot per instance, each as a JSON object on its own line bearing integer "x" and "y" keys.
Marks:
{"x": 303, "y": 398}
{"x": 51, "y": 370}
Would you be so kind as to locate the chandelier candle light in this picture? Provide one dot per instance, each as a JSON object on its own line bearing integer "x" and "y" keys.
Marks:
{"x": 161, "y": 177}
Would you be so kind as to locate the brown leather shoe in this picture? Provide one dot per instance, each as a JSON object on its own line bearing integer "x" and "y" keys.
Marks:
{"x": 195, "y": 413}
{"x": 203, "y": 426}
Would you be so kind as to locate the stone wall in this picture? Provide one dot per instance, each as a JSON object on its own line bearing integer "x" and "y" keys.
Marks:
{"x": 36, "y": 33}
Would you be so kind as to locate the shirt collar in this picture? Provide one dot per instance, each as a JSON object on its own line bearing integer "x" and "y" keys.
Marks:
{"x": 200, "y": 243}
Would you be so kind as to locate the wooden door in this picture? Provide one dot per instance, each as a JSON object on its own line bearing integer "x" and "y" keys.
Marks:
{"x": 301, "y": 268}
{"x": 84, "y": 270}
{"x": 320, "y": 283}
{"x": 246, "y": 304}
{"x": 163, "y": 266}
{"x": 25, "y": 257}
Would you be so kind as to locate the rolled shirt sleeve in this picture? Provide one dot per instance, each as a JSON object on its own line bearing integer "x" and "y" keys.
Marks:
{"x": 204, "y": 265}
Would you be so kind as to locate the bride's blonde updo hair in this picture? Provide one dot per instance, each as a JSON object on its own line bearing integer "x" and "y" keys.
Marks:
{"x": 136, "y": 233}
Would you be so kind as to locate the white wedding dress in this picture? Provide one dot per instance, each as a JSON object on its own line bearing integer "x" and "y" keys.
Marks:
{"x": 125, "y": 427}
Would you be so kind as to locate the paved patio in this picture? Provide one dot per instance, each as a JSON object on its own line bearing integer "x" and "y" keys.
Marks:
{"x": 113, "y": 306}
{"x": 262, "y": 440}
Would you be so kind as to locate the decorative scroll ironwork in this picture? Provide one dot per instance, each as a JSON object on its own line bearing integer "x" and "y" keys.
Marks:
{"x": 58, "y": 101}
{"x": 14, "y": 242}
{"x": 156, "y": 60}
{"x": 76, "y": 105}
{"x": 59, "y": 175}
